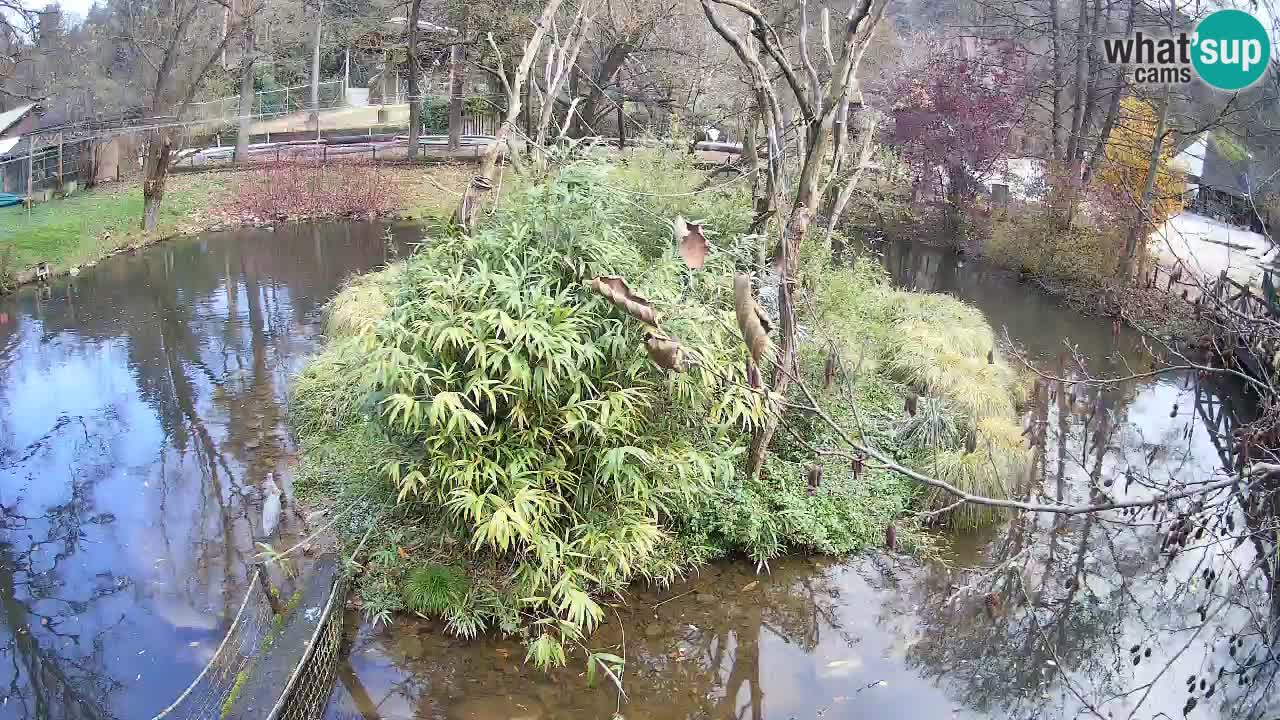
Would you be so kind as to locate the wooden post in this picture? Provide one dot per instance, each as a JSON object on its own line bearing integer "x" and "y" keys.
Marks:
{"x": 622, "y": 130}
{"x": 60, "y": 185}
{"x": 31, "y": 170}
{"x": 272, "y": 598}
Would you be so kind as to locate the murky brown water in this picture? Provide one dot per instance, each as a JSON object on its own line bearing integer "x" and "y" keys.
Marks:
{"x": 141, "y": 408}
{"x": 887, "y": 637}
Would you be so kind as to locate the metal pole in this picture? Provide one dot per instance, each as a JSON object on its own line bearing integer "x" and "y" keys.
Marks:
{"x": 315, "y": 69}
{"x": 60, "y": 185}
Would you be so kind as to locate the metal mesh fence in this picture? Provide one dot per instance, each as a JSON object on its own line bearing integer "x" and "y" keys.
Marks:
{"x": 48, "y": 169}
{"x": 270, "y": 103}
{"x": 307, "y": 693}
{"x": 216, "y": 692}
{"x": 219, "y": 682}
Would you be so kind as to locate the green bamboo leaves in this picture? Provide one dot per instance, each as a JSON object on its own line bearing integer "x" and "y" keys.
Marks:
{"x": 546, "y": 433}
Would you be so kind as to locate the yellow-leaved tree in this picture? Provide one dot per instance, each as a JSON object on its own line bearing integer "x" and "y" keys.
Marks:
{"x": 1128, "y": 157}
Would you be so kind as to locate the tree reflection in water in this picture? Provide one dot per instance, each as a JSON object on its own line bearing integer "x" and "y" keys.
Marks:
{"x": 1096, "y": 615}
{"x": 54, "y": 665}
{"x": 141, "y": 410}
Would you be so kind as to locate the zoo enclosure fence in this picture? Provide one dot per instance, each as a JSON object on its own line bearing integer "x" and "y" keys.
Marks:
{"x": 214, "y": 692}
{"x": 47, "y": 167}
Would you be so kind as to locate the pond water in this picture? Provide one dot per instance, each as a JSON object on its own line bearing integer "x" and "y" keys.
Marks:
{"x": 141, "y": 409}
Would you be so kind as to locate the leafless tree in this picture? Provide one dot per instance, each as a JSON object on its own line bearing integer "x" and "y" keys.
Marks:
{"x": 820, "y": 102}
{"x": 179, "y": 43}
{"x": 512, "y": 80}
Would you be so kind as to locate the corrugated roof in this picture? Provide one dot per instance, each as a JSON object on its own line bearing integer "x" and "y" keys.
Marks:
{"x": 10, "y": 117}
{"x": 7, "y": 144}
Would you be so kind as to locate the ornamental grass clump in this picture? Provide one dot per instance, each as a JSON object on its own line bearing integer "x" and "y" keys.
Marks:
{"x": 944, "y": 351}
{"x": 999, "y": 457}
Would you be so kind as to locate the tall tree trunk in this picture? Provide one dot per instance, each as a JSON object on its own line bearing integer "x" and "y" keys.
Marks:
{"x": 563, "y": 61}
{"x": 957, "y": 197}
{"x": 574, "y": 121}
{"x": 1113, "y": 109}
{"x": 1055, "y": 22}
{"x": 315, "y": 71}
{"x": 160, "y": 104}
{"x": 1142, "y": 215}
{"x": 809, "y": 187}
{"x": 1080, "y": 84}
{"x": 246, "y": 94}
{"x": 589, "y": 110}
{"x": 1091, "y": 56}
{"x": 749, "y": 152}
{"x": 841, "y": 199}
{"x": 457, "y": 79}
{"x": 415, "y": 70}
{"x": 155, "y": 173}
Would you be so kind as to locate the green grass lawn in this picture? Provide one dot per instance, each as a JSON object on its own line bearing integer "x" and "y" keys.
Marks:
{"x": 74, "y": 231}
{"x": 92, "y": 224}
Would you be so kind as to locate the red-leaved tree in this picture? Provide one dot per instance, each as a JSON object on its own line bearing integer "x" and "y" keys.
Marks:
{"x": 953, "y": 117}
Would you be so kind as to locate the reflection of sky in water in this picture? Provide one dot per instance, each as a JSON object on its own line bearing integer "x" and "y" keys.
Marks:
{"x": 141, "y": 410}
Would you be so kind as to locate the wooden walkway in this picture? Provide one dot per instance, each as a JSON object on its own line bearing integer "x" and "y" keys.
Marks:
{"x": 1248, "y": 323}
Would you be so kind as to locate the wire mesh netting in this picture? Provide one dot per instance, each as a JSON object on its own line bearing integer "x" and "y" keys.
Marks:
{"x": 269, "y": 666}
{"x": 309, "y": 690}
{"x": 270, "y": 103}
{"x": 207, "y": 697}
{"x": 49, "y": 166}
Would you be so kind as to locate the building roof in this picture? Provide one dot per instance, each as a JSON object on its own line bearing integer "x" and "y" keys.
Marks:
{"x": 10, "y": 118}
{"x": 14, "y": 147}
{"x": 1190, "y": 158}
{"x": 1231, "y": 168}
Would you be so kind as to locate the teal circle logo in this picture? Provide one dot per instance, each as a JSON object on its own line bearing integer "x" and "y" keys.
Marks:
{"x": 1232, "y": 49}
